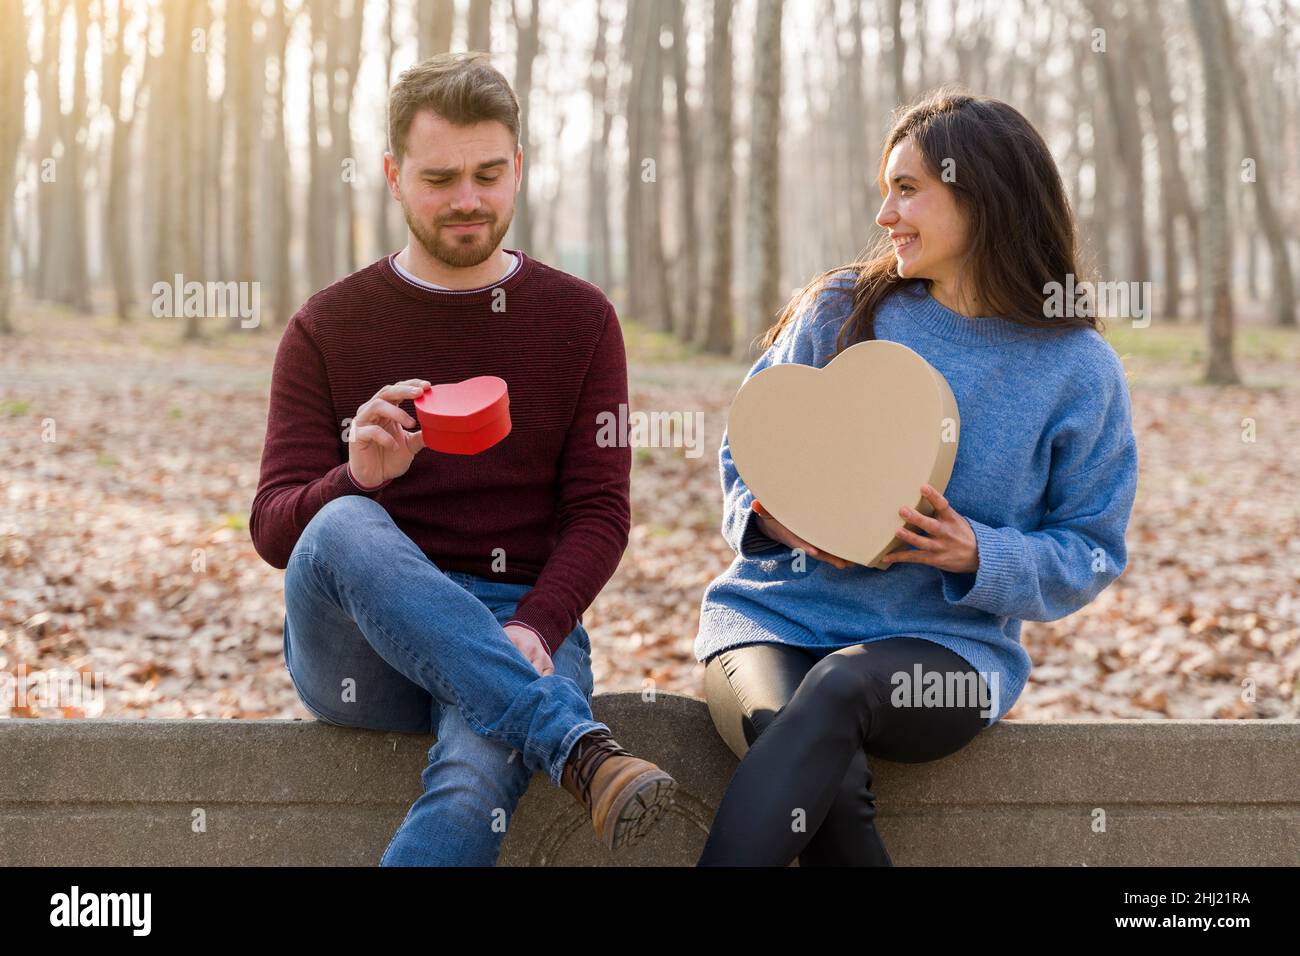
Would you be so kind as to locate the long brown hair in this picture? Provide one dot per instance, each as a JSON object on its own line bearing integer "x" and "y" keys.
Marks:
{"x": 1020, "y": 228}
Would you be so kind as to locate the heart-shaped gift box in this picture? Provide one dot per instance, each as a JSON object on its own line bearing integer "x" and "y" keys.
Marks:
{"x": 833, "y": 453}
{"x": 464, "y": 418}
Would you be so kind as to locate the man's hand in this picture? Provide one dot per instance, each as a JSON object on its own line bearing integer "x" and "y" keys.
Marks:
{"x": 949, "y": 542}
{"x": 779, "y": 532}
{"x": 531, "y": 646}
{"x": 379, "y": 448}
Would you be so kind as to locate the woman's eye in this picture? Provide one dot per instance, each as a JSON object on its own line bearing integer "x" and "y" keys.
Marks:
{"x": 904, "y": 188}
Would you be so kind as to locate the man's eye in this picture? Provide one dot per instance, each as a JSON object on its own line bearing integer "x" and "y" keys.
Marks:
{"x": 436, "y": 182}
{"x": 488, "y": 179}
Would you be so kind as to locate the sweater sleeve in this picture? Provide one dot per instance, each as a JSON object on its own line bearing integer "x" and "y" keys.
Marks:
{"x": 302, "y": 469}
{"x": 1079, "y": 547}
{"x": 594, "y": 514}
{"x": 805, "y": 341}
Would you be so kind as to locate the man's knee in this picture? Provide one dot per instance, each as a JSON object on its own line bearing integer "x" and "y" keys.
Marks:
{"x": 338, "y": 523}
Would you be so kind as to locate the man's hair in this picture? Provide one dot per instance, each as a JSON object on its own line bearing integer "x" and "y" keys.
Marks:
{"x": 462, "y": 88}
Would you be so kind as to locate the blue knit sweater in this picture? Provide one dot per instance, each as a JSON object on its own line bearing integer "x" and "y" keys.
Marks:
{"x": 1046, "y": 473}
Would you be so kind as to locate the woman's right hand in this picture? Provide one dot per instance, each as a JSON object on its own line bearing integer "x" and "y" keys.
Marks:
{"x": 779, "y": 532}
{"x": 379, "y": 448}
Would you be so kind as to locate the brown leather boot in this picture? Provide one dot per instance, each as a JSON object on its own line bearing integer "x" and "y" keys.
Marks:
{"x": 624, "y": 795}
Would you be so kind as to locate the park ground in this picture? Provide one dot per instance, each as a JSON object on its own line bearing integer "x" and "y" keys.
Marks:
{"x": 156, "y": 455}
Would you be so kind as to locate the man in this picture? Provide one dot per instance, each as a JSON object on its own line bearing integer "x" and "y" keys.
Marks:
{"x": 428, "y": 591}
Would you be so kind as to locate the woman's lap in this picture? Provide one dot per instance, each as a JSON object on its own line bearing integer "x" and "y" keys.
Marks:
{"x": 746, "y": 687}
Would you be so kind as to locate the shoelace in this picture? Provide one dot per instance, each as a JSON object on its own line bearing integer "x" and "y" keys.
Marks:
{"x": 592, "y": 750}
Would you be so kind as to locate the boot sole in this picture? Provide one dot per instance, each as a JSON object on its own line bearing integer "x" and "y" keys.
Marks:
{"x": 638, "y": 807}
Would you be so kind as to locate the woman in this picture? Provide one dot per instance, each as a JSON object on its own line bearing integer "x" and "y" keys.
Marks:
{"x": 809, "y": 657}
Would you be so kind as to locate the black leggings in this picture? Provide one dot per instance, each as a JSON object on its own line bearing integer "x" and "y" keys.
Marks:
{"x": 819, "y": 715}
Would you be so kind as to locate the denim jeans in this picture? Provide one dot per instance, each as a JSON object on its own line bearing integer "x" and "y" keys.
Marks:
{"x": 377, "y": 636}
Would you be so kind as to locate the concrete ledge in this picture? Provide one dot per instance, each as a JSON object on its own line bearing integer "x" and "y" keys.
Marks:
{"x": 276, "y": 792}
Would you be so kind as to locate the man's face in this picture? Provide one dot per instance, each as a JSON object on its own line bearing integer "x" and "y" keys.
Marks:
{"x": 457, "y": 187}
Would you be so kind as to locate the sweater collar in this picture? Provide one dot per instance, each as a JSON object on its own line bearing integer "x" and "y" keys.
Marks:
{"x": 930, "y": 314}
{"x": 449, "y": 296}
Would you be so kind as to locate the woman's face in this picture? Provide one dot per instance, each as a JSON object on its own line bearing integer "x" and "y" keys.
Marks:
{"x": 926, "y": 226}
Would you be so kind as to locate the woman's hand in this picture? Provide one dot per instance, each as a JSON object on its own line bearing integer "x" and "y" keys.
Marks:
{"x": 949, "y": 542}
{"x": 779, "y": 532}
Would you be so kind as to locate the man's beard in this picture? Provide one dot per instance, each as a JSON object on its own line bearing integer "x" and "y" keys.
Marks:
{"x": 459, "y": 251}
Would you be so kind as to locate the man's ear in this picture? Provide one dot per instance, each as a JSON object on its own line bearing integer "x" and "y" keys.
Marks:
{"x": 392, "y": 172}
{"x": 519, "y": 165}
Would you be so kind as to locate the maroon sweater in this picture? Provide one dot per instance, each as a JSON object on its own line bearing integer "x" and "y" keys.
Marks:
{"x": 547, "y": 494}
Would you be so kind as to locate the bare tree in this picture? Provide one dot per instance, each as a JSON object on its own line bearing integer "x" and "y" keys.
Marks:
{"x": 479, "y": 25}
{"x": 436, "y": 18}
{"x": 716, "y": 329}
{"x": 1175, "y": 197}
{"x": 238, "y": 100}
{"x": 689, "y": 253}
{"x": 1125, "y": 136}
{"x": 528, "y": 41}
{"x": 647, "y": 271}
{"x": 278, "y": 200}
{"x": 384, "y": 238}
{"x": 763, "y": 225}
{"x": 117, "y": 242}
{"x": 1217, "y": 296}
{"x": 1283, "y": 288}
{"x": 897, "y": 51}
{"x": 599, "y": 239}
{"x": 13, "y": 68}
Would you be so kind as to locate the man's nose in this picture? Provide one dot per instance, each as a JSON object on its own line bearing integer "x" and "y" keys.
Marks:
{"x": 466, "y": 198}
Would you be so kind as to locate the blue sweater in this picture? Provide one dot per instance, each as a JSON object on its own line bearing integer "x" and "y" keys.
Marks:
{"x": 1046, "y": 473}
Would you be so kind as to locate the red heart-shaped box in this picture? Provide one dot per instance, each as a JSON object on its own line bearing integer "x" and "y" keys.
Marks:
{"x": 464, "y": 418}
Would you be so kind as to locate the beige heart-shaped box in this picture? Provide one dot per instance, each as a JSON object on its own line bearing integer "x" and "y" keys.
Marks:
{"x": 832, "y": 453}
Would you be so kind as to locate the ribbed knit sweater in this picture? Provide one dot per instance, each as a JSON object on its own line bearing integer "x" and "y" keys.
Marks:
{"x": 1046, "y": 474}
{"x": 546, "y": 506}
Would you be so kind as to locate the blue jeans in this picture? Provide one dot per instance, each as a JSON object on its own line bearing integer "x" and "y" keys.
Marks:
{"x": 376, "y": 636}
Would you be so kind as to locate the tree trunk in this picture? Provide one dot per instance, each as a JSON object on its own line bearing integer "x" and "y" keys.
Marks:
{"x": 1283, "y": 288}
{"x": 383, "y": 198}
{"x": 763, "y": 224}
{"x": 599, "y": 239}
{"x": 436, "y": 19}
{"x": 479, "y": 26}
{"x": 13, "y": 69}
{"x": 528, "y": 40}
{"x": 1217, "y": 304}
{"x": 1175, "y": 196}
{"x": 690, "y": 246}
{"x": 47, "y": 189}
{"x": 1125, "y": 135}
{"x": 717, "y": 333}
{"x": 117, "y": 240}
{"x": 72, "y": 279}
{"x": 282, "y": 273}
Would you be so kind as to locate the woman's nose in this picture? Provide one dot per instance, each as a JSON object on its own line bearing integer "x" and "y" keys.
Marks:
{"x": 886, "y": 216}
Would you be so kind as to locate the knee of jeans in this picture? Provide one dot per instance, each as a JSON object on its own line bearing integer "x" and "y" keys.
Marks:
{"x": 335, "y": 525}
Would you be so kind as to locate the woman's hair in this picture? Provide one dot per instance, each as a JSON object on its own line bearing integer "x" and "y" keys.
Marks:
{"x": 1020, "y": 230}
